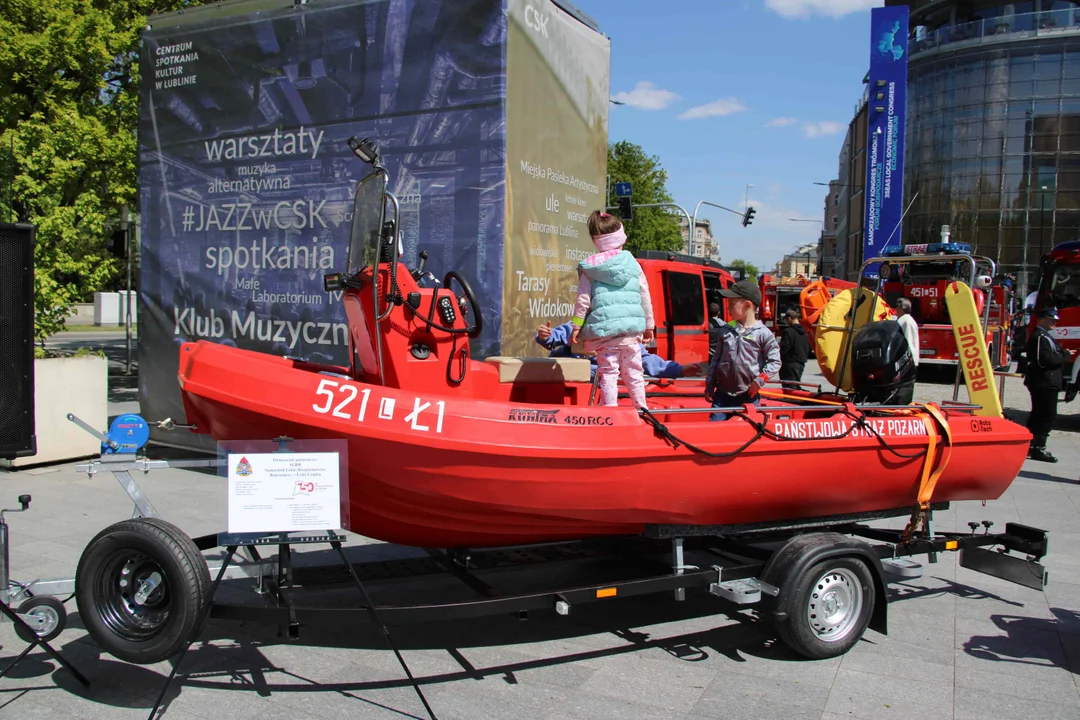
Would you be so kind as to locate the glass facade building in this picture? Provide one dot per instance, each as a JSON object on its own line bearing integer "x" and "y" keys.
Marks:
{"x": 993, "y": 127}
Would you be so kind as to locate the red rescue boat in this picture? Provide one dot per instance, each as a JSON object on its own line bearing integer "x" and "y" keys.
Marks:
{"x": 445, "y": 451}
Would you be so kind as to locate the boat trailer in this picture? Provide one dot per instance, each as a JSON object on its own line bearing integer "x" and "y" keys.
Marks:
{"x": 821, "y": 582}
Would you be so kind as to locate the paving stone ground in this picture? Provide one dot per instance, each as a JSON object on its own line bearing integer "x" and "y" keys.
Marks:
{"x": 960, "y": 645}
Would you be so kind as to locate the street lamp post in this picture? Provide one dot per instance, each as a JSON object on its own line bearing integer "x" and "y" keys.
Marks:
{"x": 693, "y": 222}
{"x": 746, "y": 198}
{"x": 125, "y": 224}
{"x": 822, "y": 234}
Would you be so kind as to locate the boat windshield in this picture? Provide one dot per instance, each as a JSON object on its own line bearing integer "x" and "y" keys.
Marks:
{"x": 1065, "y": 286}
{"x": 369, "y": 208}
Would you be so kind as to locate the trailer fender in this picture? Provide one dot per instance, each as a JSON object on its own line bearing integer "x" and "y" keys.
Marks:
{"x": 802, "y": 551}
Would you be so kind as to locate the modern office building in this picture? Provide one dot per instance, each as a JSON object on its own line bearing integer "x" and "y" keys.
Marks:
{"x": 993, "y": 126}
{"x": 993, "y": 129}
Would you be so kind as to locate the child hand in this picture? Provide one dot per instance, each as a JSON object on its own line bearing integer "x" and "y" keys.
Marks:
{"x": 649, "y": 336}
{"x": 753, "y": 390}
{"x": 544, "y": 331}
{"x": 574, "y": 336}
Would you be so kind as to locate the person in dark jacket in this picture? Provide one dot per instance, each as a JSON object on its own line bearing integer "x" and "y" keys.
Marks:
{"x": 1043, "y": 380}
{"x": 716, "y": 321}
{"x": 794, "y": 350}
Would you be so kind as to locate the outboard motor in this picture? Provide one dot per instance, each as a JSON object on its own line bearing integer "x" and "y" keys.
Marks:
{"x": 881, "y": 362}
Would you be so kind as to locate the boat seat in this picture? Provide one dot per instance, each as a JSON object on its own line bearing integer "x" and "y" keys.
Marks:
{"x": 541, "y": 370}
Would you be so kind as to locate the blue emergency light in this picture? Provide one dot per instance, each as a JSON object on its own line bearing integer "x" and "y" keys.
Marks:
{"x": 930, "y": 249}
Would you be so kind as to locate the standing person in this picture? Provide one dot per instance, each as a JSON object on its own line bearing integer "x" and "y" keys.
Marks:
{"x": 748, "y": 355}
{"x": 905, "y": 394}
{"x": 794, "y": 350}
{"x": 716, "y": 321}
{"x": 1043, "y": 380}
{"x": 613, "y": 312}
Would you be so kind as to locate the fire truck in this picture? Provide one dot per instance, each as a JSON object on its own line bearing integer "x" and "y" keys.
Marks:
{"x": 1059, "y": 286}
{"x": 778, "y": 295}
{"x": 921, "y": 279}
{"x": 682, "y": 288}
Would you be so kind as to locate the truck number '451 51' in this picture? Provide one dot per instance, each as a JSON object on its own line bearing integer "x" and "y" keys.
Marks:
{"x": 339, "y": 398}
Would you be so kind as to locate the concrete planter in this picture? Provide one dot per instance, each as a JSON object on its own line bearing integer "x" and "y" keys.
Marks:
{"x": 78, "y": 385}
{"x": 110, "y": 308}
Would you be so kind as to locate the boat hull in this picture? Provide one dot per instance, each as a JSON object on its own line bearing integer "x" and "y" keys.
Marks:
{"x": 445, "y": 471}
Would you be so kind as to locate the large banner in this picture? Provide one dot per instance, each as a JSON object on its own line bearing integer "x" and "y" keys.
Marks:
{"x": 884, "y": 204}
{"x": 557, "y": 102}
{"x": 246, "y": 177}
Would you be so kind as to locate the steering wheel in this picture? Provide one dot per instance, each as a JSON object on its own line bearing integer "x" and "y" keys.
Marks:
{"x": 477, "y": 327}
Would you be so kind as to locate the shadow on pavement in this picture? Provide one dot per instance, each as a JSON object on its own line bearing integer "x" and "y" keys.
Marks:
{"x": 1030, "y": 475}
{"x": 1028, "y": 641}
{"x": 907, "y": 591}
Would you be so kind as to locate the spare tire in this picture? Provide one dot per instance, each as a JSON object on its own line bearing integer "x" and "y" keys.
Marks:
{"x": 140, "y": 586}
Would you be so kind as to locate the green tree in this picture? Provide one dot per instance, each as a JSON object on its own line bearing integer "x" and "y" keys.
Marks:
{"x": 68, "y": 115}
{"x": 750, "y": 270}
{"x": 651, "y": 228}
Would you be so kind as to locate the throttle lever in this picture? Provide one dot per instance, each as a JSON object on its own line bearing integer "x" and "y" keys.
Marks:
{"x": 419, "y": 271}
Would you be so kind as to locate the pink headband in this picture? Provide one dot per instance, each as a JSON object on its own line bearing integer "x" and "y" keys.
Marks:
{"x": 611, "y": 241}
{"x": 604, "y": 215}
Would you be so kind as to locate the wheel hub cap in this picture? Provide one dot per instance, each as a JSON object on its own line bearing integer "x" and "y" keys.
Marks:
{"x": 834, "y": 605}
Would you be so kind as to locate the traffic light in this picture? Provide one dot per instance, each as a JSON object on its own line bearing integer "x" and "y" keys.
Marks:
{"x": 120, "y": 243}
{"x": 626, "y": 212}
{"x": 748, "y": 216}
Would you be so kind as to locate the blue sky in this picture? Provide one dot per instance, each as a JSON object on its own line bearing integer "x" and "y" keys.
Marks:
{"x": 730, "y": 92}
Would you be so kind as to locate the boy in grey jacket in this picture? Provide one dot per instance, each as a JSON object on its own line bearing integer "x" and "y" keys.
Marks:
{"x": 748, "y": 356}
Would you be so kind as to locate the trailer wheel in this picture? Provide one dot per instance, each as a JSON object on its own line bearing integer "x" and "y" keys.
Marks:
{"x": 828, "y": 608}
{"x": 50, "y": 611}
{"x": 140, "y": 585}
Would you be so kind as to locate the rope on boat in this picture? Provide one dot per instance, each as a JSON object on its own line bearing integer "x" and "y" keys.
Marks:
{"x": 858, "y": 422}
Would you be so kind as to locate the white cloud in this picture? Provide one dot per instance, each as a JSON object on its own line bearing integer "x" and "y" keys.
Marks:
{"x": 781, "y": 122}
{"x": 829, "y": 8}
{"x": 823, "y": 128}
{"x": 723, "y": 106}
{"x": 646, "y": 96}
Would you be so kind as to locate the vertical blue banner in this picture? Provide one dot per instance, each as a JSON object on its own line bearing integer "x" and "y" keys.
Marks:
{"x": 884, "y": 195}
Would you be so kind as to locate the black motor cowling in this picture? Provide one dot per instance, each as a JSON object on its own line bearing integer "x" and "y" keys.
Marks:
{"x": 881, "y": 362}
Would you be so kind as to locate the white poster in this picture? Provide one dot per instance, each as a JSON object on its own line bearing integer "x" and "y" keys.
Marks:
{"x": 283, "y": 492}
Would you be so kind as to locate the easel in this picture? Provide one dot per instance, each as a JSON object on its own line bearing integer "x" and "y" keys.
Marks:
{"x": 233, "y": 541}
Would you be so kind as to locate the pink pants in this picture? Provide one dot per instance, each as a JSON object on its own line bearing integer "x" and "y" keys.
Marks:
{"x": 624, "y": 360}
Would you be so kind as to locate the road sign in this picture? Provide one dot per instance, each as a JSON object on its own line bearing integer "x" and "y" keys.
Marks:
{"x": 624, "y": 189}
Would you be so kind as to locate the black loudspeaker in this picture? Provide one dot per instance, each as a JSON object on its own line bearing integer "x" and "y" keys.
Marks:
{"x": 17, "y": 436}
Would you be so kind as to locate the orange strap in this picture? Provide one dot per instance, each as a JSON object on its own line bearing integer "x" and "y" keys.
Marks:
{"x": 930, "y": 473}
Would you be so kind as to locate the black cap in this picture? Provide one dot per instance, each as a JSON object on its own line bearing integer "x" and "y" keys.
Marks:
{"x": 1049, "y": 312}
{"x": 745, "y": 290}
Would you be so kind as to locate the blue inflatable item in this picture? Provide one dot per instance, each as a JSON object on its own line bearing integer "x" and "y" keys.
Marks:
{"x": 127, "y": 434}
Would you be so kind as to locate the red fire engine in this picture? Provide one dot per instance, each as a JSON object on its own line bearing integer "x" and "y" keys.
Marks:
{"x": 778, "y": 295}
{"x": 1060, "y": 287}
{"x": 922, "y": 280}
